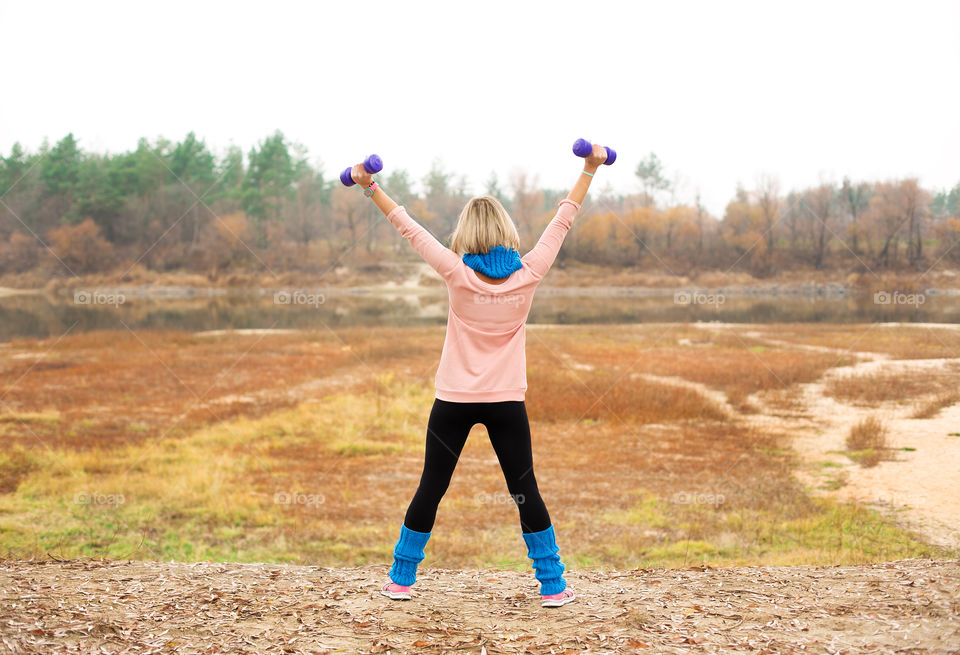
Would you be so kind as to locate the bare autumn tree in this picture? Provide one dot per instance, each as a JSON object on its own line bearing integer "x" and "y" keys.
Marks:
{"x": 692, "y": 226}
{"x": 916, "y": 204}
{"x": 192, "y": 164}
{"x": 948, "y": 232}
{"x": 652, "y": 178}
{"x": 400, "y": 186}
{"x": 444, "y": 199}
{"x": 492, "y": 188}
{"x": 821, "y": 203}
{"x": 795, "y": 220}
{"x": 883, "y": 223}
{"x": 311, "y": 195}
{"x": 595, "y": 240}
{"x": 670, "y": 221}
{"x": 945, "y": 223}
{"x": 855, "y": 199}
{"x": 527, "y": 203}
{"x": 19, "y": 253}
{"x": 636, "y": 235}
{"x": 768, "y": 201}
{"x": 898, "y": 212}
{"x": 80, "y": 247}
{"x": 348, "y": 206}
{"x": 701, "y": 218}
{"x": 743, "y": 230}
{"x": 682, "y": 231}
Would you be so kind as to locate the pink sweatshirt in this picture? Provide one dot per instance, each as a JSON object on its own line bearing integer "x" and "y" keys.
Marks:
{"x": 484, "y": 351}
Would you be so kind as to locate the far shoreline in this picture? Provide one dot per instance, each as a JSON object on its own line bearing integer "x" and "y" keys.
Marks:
{"x": 166, "y": 292}
{"x": 419, "y": 279}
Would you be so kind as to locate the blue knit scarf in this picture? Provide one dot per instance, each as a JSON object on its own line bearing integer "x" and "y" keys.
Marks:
{"x": 498, "y": 263}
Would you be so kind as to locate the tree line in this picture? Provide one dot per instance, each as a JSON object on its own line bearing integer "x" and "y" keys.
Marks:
{"x": 178, "y": 206}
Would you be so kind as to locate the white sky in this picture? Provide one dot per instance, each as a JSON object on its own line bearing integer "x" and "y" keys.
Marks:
{"x": 721, "y": 91}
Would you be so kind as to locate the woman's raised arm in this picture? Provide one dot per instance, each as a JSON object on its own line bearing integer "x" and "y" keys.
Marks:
{"x": 541, "y": 258}
{"x": 383, "y": 201}
{"x": 441, "y": 259}
{"x": 590, "y": 165}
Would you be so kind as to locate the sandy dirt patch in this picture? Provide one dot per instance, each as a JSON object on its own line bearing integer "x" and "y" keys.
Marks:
{"x": 920, "y": 489}
{"x": 8, "y": 291}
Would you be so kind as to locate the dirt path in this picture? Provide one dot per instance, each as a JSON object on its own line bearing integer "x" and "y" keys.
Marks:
{"x": 921, "y": 488}
{"x": 111, "y": 607}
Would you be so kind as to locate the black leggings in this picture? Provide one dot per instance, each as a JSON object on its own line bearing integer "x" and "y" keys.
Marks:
{"x": 447, "y": 431}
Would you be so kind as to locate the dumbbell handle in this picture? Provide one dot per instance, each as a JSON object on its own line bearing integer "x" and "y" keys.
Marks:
{"x": 372, "y": 164}
{"x": 583, "y": 148}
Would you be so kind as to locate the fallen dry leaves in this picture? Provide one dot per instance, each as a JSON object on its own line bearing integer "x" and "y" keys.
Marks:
{"x": 87, "y": 606}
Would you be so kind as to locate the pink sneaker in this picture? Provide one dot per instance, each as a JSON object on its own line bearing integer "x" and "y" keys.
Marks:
{"x": 556, "y": 600}
{"x": 396, "y": 591}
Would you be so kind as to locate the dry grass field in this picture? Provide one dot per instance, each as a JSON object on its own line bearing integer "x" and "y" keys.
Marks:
{"x": 305, "y": 447}
{"x": 713, "y": 488}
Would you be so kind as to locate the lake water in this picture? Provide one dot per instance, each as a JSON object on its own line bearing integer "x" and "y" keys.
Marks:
{"x": 40, "y": 316}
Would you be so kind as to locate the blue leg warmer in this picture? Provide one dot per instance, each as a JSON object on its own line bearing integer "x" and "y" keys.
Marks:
{"x": 407, "y": 554}
{"x": 542, "y": 549}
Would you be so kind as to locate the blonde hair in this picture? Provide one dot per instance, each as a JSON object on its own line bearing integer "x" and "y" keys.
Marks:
{"x": 483, "y": 224}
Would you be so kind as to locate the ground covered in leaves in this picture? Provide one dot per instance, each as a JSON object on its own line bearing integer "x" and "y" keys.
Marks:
{"x": 102, "y": 606}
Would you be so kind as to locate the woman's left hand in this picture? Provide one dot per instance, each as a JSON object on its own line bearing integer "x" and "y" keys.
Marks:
{"x": 361, "y": 176}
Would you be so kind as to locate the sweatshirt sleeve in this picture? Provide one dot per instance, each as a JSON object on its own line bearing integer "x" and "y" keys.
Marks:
{"x": 441, "y": 259}
{"x": 541, "y": 258}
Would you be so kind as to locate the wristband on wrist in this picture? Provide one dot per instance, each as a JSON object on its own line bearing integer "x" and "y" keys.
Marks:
{"x": 586, "y": 173}
{"x": 368, "y": 192}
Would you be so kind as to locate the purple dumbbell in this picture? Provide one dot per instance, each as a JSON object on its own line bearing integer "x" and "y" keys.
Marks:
{"x": 372, "y": 164}
{"x": 583, "y": 148}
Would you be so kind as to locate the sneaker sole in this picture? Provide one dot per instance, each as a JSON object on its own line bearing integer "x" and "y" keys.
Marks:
{"x": 557, "y": 603}
{"x": 396, "y": 595}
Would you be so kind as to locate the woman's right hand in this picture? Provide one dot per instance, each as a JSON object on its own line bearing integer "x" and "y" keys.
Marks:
{"x": 596, "y": 157}
{"x": 360, "y": 175}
